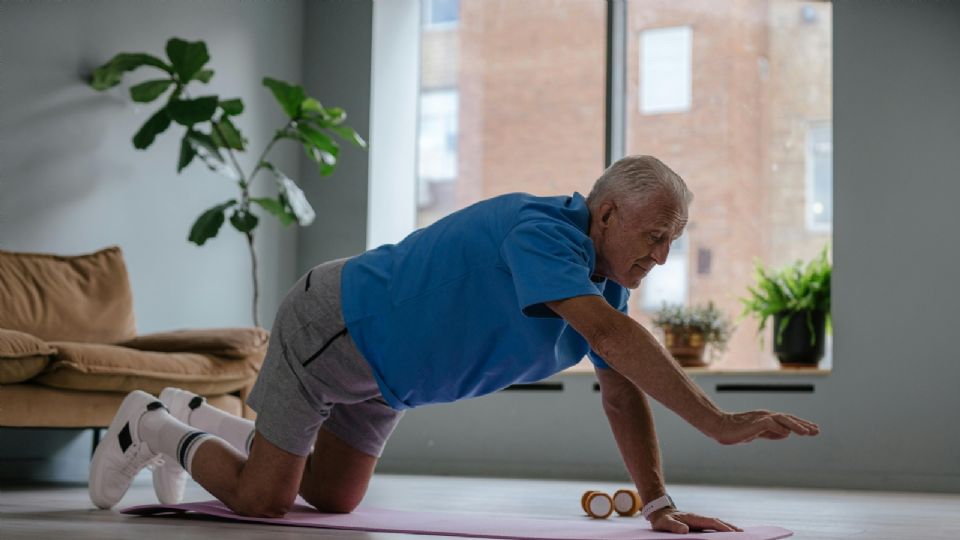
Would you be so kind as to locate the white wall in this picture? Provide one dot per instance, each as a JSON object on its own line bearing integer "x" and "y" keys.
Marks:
{"x": 71, "y": 181}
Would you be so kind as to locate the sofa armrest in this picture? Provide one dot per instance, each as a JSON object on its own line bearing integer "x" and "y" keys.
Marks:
{"x": 222, "y": 342}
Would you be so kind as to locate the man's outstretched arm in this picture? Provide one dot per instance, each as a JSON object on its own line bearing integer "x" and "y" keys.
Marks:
{"x": 634, "y": 353}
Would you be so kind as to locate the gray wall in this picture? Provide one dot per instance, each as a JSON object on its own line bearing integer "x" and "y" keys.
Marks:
{"x": 889, "y": 409}
{"x": 71, "y": 181}
{"x": 337, "y": 48}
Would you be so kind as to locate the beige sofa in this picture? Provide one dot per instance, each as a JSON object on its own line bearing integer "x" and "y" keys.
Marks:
{"x": 69, "y": 349}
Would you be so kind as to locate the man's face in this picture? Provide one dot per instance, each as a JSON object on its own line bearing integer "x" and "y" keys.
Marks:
{"x": 631, "y": 241}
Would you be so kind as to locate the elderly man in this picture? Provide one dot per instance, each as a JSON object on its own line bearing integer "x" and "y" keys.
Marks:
{"x": 509, "y": 290}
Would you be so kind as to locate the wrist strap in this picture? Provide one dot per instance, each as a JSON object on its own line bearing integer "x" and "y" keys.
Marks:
{"x": 657, "y": 504}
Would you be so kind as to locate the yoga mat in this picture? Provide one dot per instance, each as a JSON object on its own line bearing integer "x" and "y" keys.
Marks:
{"x": 462, "y": 524}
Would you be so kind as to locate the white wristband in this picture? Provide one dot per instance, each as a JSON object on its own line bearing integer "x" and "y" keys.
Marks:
{"x": 657, "y": 504}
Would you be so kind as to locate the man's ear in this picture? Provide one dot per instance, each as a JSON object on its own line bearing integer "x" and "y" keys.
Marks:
{"x": 606, "y": 211}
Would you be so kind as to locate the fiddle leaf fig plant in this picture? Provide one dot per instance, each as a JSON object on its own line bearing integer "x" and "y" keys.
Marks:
{"x": 211, "y": 135}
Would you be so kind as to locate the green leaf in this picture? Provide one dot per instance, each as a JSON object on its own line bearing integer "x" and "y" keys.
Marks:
{"x": 204, "y": 76}
{"x": 191, "y": 111}
{"x": 336, "y": 115}
{"x": 187, "y": 153}
{"x": 232, "y": 107}
{"x": 348, "y": 134}
{"x": 109, "y": 75}
{"x": 208, "y": 224}
{"x": 229, "y": 134}
{"x": 311, "y": 105}
{"x": 148, "y": 91}
{"x": 243, "y": 220}
{"x": 278, "y": 209}
{"x": 187, "y": 57}
{"x": 288, "y": 95}
{"x": 155, "y": 125}
{"x": 204, "y": 141}
{"x": 329, "y": 150}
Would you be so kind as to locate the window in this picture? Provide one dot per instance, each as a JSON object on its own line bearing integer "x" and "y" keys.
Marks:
{"x": 512, "y": 99}
{"x": 665, "y": 72}
{"x": 819, "y": 177}
{"x": 437, "y": 142}
{"x": 440, "y": 13}
{"x": 667, "y": 283}
{"x": 753, "y": 142}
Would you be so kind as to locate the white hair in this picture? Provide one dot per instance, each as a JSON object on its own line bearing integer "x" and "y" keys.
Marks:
{"x": 635, "y": 180}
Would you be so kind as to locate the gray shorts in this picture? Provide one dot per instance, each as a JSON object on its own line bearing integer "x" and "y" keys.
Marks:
{"x": 314, "y": 375}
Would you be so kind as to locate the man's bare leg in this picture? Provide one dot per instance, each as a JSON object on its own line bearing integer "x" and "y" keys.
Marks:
{"x": 264, "y": 484}
{"x": 336, "y": 475}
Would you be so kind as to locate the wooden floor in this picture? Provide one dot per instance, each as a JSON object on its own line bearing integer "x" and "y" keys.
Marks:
{"x": 66, "y": 512}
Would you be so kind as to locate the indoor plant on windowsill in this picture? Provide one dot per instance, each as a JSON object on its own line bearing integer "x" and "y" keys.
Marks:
{"x": 687, "y": 331}
{"x": 798, "y": 299}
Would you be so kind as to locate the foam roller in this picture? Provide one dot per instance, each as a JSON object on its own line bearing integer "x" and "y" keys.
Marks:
{"x": 627, "y": 502}
{"x": 597, "y": 505}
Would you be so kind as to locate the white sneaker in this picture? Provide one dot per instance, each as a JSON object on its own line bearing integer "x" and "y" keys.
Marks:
{"x": 121, "y": 453}
{"x": 169, "y": 478}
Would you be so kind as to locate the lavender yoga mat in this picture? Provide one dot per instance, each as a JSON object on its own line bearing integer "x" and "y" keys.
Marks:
{"x": 461, "y": 524}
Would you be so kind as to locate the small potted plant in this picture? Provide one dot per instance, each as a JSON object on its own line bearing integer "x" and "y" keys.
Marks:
{"x": 687, "y": 331}
{"x": 798, "y": 299}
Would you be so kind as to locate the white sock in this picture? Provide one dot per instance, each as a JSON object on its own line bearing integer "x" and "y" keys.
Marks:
{"x": 235, "y": 430}
{"x": 166, "y": 435}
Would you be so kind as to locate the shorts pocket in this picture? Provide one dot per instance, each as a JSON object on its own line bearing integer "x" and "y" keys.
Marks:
{"x": 326, "y": 345}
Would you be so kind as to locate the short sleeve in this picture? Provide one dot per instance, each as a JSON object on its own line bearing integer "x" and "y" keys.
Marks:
{"x": 617, "y": 296}
{"x": 548, "y": 261}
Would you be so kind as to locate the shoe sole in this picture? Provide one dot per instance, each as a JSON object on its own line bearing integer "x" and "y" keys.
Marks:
{"x": 119, "y": 420}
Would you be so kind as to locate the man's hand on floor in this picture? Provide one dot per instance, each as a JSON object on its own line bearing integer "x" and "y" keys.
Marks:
{"x": 675, "y": 521}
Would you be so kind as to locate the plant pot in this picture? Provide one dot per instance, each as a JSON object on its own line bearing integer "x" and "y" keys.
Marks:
{"x": 685, "y": 344}
{"x": 795, "y": 349}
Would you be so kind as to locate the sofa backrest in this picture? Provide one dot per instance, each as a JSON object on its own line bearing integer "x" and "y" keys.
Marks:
{"x": 84, "y": 298}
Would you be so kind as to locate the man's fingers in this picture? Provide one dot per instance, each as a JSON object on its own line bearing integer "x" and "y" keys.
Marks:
{"x": 797, "y": 425}
{"x": 770, "y": 424}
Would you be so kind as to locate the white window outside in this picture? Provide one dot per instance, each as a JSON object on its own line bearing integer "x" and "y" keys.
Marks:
{"x": 438, "y": 140}
{"x": 440, "y": 14}
{"x": 666, "y": 70}
{"x": 667, "y": 283}
{"x": 819, "y": 177}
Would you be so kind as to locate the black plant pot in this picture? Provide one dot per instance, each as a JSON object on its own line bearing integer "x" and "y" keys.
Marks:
{"x": 795, "y": 349}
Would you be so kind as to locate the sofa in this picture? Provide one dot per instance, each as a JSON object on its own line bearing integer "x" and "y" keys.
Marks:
{"x": 70, "y": 351}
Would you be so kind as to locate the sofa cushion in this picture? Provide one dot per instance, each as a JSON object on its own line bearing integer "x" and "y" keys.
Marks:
{"x": 224, "y": 342}
{"x": 22, "y": 356}
{"x": 84, "y": 298}
{"x": 86, "y": 366}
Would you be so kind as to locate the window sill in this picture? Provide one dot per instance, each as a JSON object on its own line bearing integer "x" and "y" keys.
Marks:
{"x": 585, "y": 367}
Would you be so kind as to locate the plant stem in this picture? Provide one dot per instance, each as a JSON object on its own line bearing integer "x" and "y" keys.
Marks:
{"x": 266, "y": 151}
{"x": 256, "y": 287}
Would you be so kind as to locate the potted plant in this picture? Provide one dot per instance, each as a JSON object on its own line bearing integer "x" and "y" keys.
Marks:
{"x": 798, "y": 299}
{"x": 212, "y": 136}
{"x": 688, "y": 331}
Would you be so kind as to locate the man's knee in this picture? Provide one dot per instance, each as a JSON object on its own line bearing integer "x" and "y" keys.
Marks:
{"x": 329, "y": 501}
{"x": 263, "y": 505}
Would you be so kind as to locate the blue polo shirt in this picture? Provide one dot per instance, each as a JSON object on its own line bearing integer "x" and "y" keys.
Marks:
{"x": 456, "y": 309}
